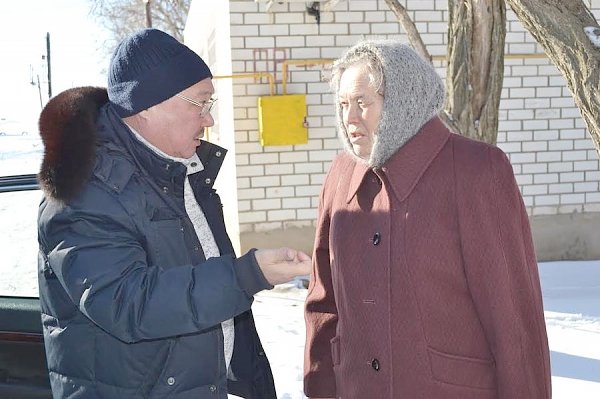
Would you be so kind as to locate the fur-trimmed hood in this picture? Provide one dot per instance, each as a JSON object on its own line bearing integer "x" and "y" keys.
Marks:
{"x": 68, "y": 130}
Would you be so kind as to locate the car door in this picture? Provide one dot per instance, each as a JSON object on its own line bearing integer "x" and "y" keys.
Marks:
{"x": 23, "y": 369}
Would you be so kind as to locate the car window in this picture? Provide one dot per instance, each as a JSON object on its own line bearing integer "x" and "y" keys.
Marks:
{"x": 21, "y": 151}
{"x": 18, "y": 243}
{"x": 21, "y": 148}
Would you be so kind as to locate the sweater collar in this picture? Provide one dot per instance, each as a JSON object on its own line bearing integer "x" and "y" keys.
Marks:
{"x": 193, "y": 164}
{"x": 408, "y": 164}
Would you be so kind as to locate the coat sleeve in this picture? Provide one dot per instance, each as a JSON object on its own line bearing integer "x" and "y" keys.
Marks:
{"x": 502, "y": 274}
{"x": 101, "y": 263}
{"x": 320, "y": 311}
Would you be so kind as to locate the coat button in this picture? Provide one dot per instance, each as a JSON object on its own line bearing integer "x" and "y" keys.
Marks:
{"x": 208, "y": 180}
{"x": 376, "y": 239}
{"x": 218, "y": 153}
{"x": 213, "y": 388}
{"x": 165, "y": 189}
{"x": 171, "y": 380}
{"x": 375, "y": 364}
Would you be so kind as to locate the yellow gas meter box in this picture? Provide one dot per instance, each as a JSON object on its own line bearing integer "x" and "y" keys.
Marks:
{"x": 282, "y": 119}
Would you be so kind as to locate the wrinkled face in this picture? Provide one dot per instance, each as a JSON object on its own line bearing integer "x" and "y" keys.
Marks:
{"x": 361, "y": 109}
{"x": 176, "y": 126}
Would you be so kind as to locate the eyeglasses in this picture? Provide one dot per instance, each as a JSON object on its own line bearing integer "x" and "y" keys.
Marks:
{"x": 205, "y": 106}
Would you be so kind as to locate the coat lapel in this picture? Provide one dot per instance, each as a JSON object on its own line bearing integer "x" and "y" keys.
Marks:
{"x": 404, "y": 169}
{"x": 358, "y": 174}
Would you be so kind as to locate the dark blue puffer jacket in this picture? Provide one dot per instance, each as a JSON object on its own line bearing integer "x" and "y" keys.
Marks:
{"x": 130, "y": 306}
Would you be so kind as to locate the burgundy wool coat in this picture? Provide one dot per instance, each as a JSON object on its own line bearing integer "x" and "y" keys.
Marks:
{"x": 425, "y": 282}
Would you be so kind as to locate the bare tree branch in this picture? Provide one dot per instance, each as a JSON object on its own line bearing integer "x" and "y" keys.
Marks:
{"x": 569, "y": 34}
{"x": 123, "y": 17}
{"x": 409, "y": 26}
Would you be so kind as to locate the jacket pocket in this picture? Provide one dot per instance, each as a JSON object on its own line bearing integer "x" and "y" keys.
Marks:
{"x": 158, "y": 383}
{"x": 166, "y": 243}
{"x": 335, "y": 350}
{"x": 461, "y": 370}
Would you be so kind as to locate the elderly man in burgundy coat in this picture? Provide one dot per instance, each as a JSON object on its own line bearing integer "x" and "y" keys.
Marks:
{"x": 424, "y": 281}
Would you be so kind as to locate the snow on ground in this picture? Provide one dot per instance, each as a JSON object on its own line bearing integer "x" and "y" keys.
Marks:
{"x": 572, "y": 309}
{"x": 279, "y": 316}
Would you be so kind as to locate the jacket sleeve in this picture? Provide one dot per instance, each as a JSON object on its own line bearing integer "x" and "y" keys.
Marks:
{"x": 320, "y": 312}
{"x": 100, "y": 260}
{"x": 502, "y": 274}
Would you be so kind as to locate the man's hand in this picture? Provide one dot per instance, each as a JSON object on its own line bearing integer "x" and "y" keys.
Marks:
{"x": 283, "y": 264}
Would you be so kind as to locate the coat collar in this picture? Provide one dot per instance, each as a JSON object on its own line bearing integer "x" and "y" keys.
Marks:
{"x": 124, "y": 155}
{"x": 162, "y": 169}
{"x": 406, "y": 166}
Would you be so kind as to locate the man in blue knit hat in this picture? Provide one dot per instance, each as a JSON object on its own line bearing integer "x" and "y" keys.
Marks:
{"x": 142, "y": 295}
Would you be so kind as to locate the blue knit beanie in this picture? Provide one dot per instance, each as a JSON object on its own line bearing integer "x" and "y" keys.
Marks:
{"x": 149, "y": 67}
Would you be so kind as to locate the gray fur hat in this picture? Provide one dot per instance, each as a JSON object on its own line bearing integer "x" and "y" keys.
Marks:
{"x": 413, "y": 93}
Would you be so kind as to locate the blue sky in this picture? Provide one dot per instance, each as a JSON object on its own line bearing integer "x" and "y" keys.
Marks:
{"x": 76, "y": 52}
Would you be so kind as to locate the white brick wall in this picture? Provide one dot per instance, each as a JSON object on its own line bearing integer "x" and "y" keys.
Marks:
{"x": 540, "y": 129}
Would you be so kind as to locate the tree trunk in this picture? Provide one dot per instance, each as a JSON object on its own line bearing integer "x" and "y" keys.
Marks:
{"x": 570, "y": 36}
{"x": 476, "y": 34}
